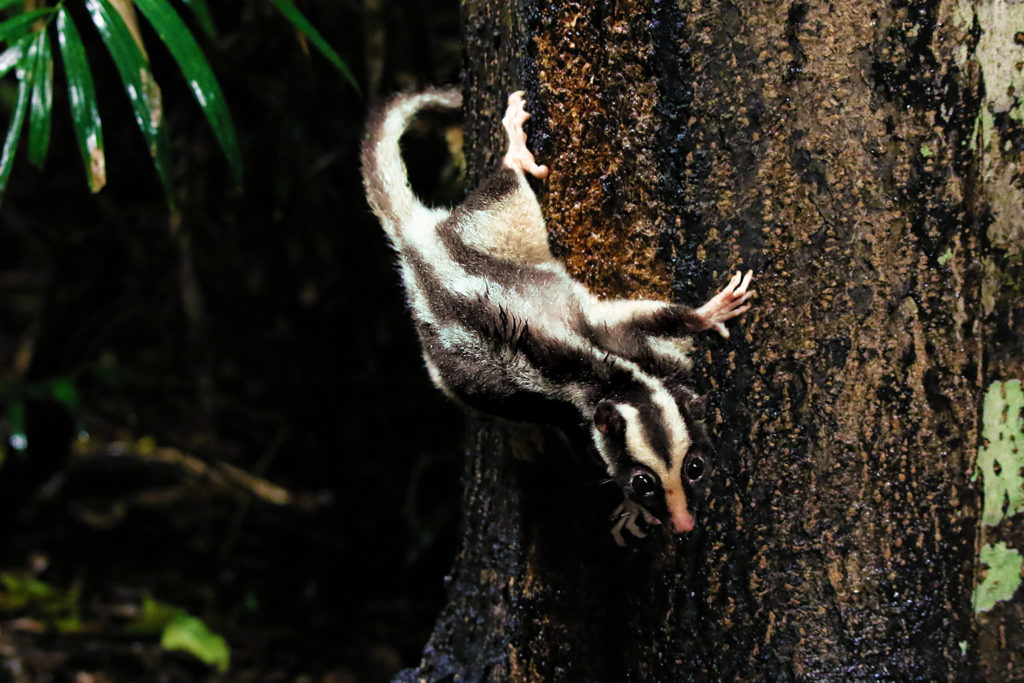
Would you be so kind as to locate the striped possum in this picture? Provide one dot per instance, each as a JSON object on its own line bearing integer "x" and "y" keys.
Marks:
{"x": 508, "y": 333}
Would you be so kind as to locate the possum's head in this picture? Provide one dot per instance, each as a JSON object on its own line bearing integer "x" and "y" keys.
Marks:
{"x": 657, "y": 450}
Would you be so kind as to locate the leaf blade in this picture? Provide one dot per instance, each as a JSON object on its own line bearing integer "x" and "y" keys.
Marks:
{"x": 139, "y": 84}
{"x": 41, "y": 101}
{"x": 20, "y": 25}
{"x": 201, "y": 11}
{"x": 189, "y": 56}
{"x": 12, "y": 56}
{"x": 299, "y": 21}
{"x": 85, "y": 115}
{"x": 192, "y": 635}
{"x": 14, "y": 129}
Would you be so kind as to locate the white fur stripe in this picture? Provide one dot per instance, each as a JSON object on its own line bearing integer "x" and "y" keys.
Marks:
{"x": 637, "y": 444}
{"x": 675, "y": 351}
{"x": 614, "y": 313}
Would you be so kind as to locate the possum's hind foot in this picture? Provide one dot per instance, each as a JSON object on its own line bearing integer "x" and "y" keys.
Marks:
{"x": 518, "y": 157}
{"x": 728, "y": 303}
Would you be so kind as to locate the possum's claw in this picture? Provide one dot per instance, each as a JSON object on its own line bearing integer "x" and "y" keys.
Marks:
{"x": 518, "y": 157}
{"x": 625, "y": 515}
{"x": 728, "y": 303}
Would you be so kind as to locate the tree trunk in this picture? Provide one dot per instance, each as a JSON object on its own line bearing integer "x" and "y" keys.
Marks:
{"x": 863, "y": 159}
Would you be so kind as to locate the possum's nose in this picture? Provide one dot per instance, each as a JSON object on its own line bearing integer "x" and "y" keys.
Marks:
{"x": 682, "y": 520}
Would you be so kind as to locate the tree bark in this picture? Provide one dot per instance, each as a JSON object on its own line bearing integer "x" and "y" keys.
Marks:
{"x": 863, "y": 159}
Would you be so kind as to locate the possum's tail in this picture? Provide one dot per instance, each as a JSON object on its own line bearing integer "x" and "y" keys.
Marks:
{"x": 384, "y": 175}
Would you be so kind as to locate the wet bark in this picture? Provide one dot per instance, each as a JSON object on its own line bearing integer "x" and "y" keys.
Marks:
{"x": 850, "y": 154}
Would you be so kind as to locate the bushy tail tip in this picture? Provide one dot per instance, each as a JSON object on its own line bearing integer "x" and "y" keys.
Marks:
{"x": 384, "y": 174}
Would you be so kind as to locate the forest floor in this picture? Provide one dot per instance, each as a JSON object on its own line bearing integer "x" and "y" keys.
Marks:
{"x": 137, "y": 562}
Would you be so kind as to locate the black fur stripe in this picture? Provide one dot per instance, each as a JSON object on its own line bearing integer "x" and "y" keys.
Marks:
{"x": 674, "y": 320}
{"x": 653, "y": 422}
{"x": 499, "y": 185}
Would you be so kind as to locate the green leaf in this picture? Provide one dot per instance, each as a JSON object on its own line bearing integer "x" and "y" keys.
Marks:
{"x": 13, "y": 55}
{"x": 192, "y": 635}
{"x": 153, "y": 617}
{"x": 85, "y": 114}
{"x": 202, "y": 14}
{"x": 7, "y": 155}
{"x": 25, "y": 593}
{"x": 18, "y": 592}
{"x": 288, "y": 8}
{"x": 41, "y": 100}
{"x": 4, "y": 4}
{"x": 21, "y": 24}
{"x": 64, "y": 392}
{"x": 197, "y": 72}
{"x": 139, "y": 83}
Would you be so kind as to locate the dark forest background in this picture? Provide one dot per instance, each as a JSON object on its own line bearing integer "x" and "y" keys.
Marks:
{"x": 164, "y": 355}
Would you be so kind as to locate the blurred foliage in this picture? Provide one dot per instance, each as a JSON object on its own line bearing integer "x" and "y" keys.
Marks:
{"x": 179, "y": 630}
{"x": 41, "y": 607}
{"x": 259, "y": 328}
{"x": 27, "y": 594}
{"x": 58, "y": 389}
{"x": 26, "y": 34}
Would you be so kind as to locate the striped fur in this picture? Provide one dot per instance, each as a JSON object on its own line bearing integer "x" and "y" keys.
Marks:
{"x": 507, "y": 332}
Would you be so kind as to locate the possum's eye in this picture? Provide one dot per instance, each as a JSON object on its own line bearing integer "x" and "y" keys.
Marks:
{"x": 695, "y": 467}
{"x": 642, "y": 484}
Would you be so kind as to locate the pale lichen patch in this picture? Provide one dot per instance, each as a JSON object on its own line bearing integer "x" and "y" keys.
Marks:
{"x": 1002, "y": 579}
{"x": 1000, "y": 458}
{"x": 1007, "y": 228}
{"x": 998, "y": 54}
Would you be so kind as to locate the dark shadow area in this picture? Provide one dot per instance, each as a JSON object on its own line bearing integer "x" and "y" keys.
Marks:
{"x": 224, "y": 405}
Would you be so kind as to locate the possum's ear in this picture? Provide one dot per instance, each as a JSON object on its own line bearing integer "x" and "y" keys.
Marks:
{"x": 693, "y": 404}
{"x": 608, "y": 419}
{"x": 697, "y": 406}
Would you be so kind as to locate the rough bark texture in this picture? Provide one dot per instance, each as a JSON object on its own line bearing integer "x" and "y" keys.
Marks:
{"x": 856, "y": 155}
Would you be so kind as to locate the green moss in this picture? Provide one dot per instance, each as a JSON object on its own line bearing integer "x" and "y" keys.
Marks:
{"x": 926, "y": 151}
{"x": 1002, "y": 579}
{"x": 946, "y": 257}
{"x": 1000, "y": 458}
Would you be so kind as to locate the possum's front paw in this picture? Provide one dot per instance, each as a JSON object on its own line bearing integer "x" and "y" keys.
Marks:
{"x": 626, "y": 515}
{"x": 728, "y": 303}
{"x": 518, "y": 157}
